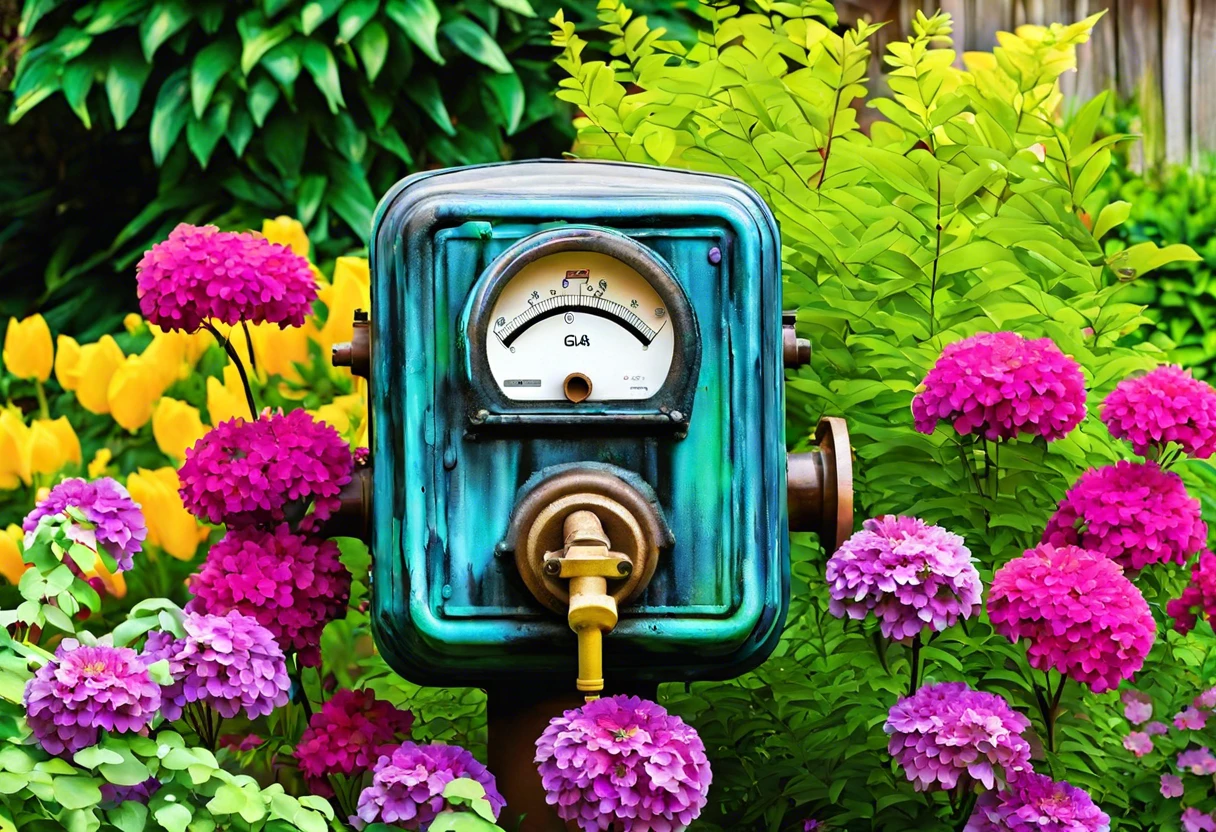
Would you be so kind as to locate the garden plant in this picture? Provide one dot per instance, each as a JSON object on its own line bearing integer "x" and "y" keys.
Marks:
{"x": 1016, "y": 636}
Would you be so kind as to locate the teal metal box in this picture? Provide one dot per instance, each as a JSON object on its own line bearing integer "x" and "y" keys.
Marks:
{"x": 454, "y": 453}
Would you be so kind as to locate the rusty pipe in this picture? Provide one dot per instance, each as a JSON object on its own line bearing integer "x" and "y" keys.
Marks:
{"x": 819, "y": 486}
{"x": 352, "y": 518}
{"x": 357, "y": 352}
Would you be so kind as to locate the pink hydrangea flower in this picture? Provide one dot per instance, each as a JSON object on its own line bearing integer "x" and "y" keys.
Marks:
{"x": 118, "y": 522}
{"x": 407, "y": 785}
{"x": 909, "y": 574}
{"x": 1194, "y": 820}
{"x": 1132, "y": 512}
{"x": 1139, "y": 743}
{"x": 1137, "y": 706}
{"x": 1199, "y": 597}
{"x": 267, "y": 471}
{"x": 1197, "y": 761}
{"x": 1000, "y": 385}
{"x": 292, "y": 584}
{"x": 347, "y": 736}
{"x": 1156, "y": 729}
{"x": 1163, "y": 406}
{"x": 623, "y": 760}
{"x": 84, "y": 690}
{"x": 946, "y": 730}
{"x": 1171, "y": 785}
{"x": 1190, "y": 719}
{"x": 229, "y": 662}
{"x": 203, "y": 274}
{"x": 1077, "y": 612}
{"x": 1036, "y": 803}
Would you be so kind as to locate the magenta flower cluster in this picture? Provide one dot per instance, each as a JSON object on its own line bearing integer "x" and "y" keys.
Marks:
{"x": 292, "y": 584}
{"x": 1036, "y": 803}
{"x": 625, "y": 760}
{"x": 117, "y": 520}
{"x": 1163, "y": 406}
{"x": 266, "y": 471}
{"x": 947, "y": 730}
{"x": 408, "y": 783}
{"x": 910, "y": 574}
{"x": 999, "y": 385}
{"x": 1199, "y": 597}
{"x": 1132, "y": 512}
{"x": 203, "y": 274}
{"x": 230, "y": 662}
{"x": 85, "y": 690}
{"x": 1078, "y": 612}
{"x": 347, "y": 736}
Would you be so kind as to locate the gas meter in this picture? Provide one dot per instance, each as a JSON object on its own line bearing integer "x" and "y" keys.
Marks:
{"x": 576, "y": 387}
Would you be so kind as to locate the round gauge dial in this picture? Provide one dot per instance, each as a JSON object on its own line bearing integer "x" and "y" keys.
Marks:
{"x": 579, "y": 326}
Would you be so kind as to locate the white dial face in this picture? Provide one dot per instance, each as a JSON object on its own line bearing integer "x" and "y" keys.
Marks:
{"x": 579, "y": 319}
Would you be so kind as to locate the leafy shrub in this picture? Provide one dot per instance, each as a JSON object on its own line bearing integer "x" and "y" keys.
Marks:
{"x": 963, "y": 210}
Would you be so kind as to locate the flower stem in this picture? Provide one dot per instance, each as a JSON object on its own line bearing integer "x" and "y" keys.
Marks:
{"x": 240, "y": 367}
{"x": 43, "y": 409}
{"x": 253, "y": 361}
{"x": 914, "y": 676}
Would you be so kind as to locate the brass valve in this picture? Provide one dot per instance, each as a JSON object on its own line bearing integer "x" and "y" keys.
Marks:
{"x": 588, "y": 563}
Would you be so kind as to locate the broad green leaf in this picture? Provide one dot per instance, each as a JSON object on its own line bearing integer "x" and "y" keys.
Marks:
{"x": 284, "y": 63}
{"x": 427, "y": 95}
{"x": 228, "y": 800}
{"x": 129, "y": 816}
{"x": 76, "y": 792}
{"x": 112, "y": 14}
{"x": 58, "y": 618}
{"x": 77, "y": 80}
{"x": 124, "y": 83}
{"x": 475, "y": 42}
{"x": 164, "y": 21}
{"x": 1112, "y": 215}
{"x": 518, "y": 6}
{"x": 203, "y": 135}
{"x": 37, "y": 79}
{"x": 285, "y": 144}
{"x": 240, "y": 130}
{"x": 320, "y": 63}
{"x": 309, "y": 196}
{"x": 351, "y": 196}
{"x": 128, "y": 772}
{"x": 95, "y": 755}
{"x": 372, "y": 46}
{"x": 353, "y": 16}
{"x": 174, "y": 817}
{"x": 508, "y": 92}
{"x": 212, "y": 63}
{"x": 1142, "y": 258}
{"x": 316, "y": 12}
{"x": 258, "y": 38}
{"x": 32, "y": 12}
{"x": 263, "y": 94}
{"x": 419, "y": 20}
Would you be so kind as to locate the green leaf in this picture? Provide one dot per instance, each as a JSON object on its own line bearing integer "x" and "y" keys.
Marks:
{"x": 1144, "y": 257}
{"x": 112, "y": 14}
{"x": 419, "y": 20}
{"x": 257, "y": 38}
{"x": 228, "y": 800}
{"x": 475, "y": 42}
{"x": 82, "y": 556}
{"x": 518, "y": 6}
{"x": 284, "y": 64}
{"x": 263, "y": 94}
{"x": 351, "y": 196}
{"x": 426, "y": 94}
{"x": 77, "y": 79}
{"x": 240, "y": 130}
{"x": 164, "y": 21}
{"x": 37, "y": 79}
{"x": 61, "y": 578}
{"x": 130, "y": 816}
{"x": 76, "y": 792}
{"x": 320, "y": 63}
{"x": 316, "y": 12}
{"x": 173, "y": 816}
{"x": 1114, "y": 214}
{"x": 33, "y": 12}
{"x": 58, "y": 618}
{"x": 212, "y": 63}
{"x": 372, "y": 46}
{"x": 95, "y": 755}
{"x": 308, "y": 197}
{"x": 124, "y": 83}
{"x": 285, "y": 142}
{"x": 158, "y": 671}
{"x": 355, "y": 14}
{"x": 203, "y": 135}
{"x": 508, "y": 92}
{"x": 128, "y": 772}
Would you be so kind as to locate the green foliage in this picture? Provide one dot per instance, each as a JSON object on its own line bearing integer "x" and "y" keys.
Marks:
{"x": 963, "y": 210}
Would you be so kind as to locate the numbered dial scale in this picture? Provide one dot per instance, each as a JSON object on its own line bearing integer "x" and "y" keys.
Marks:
{"x": 581, "y": 321}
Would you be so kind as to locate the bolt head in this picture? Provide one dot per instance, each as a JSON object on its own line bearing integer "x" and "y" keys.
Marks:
{"x": 553, "y": 568}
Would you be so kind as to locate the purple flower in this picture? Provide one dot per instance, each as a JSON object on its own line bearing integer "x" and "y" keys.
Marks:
{"x": 84, "y": 690}
{"x": 1139, "y": 743}
{"x": 1132, "y": 512}
{"x": 999, "y": 384}
{"x": 203, "y": 274}
{"x": 1163, "y": 406}
{"x": 625, "y": 760}
{"x": 292, "y": 584}
{"x": 118, "y": 522}
{"x": 947, "y": 730}
{"x": 1171, "y": 785}
{"x": 1156, "y": 729}
{"x": 1194, "y": 820}
{"x": 407, "y": 785}
{"x": 256, "y": 473}
{"x": 1207, "y": 699}
{"x": 348, "y": 735}
{"x": 1197, "y": 761}
{"x": 140, "y": 792}
{"x": 1190, "y": 719}
{"x": 1199, "y": 597}
{"x": 909, "y": 574}
{"x": 1137, "y": 706}
{"x": 230, "y": 662}
{"x": 1036, "y": 803}
{"x": 1076, "y": 610}
{"x": 810, "y": 825}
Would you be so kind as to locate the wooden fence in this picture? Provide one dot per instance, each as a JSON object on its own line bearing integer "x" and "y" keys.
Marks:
{"x": 1161, "y": 52}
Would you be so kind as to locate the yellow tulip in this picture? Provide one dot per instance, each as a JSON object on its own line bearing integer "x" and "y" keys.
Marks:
{"x": 165, "y": 359}
{"x": 133, "y": 389}
{"x": 132, "y": 323}
{"x": 88, "y": 370}
{"x": 170, "y": 526}
{"x": 344, "y": 413}
{"x": 28, "y": 352}
{"x": 226, "y": 399}
{"x": 176, "y": 426}
{"x": 99, "y": 463}
{"x": 286, "y": 231}
{"x": 13, "y": 437}
{"x": 278, "y": 351}
{"x": 12, "y": 567}
{"x": 193, "y": 344}
{"x": 51, "y": 445}
{"x": 350, "y": 290}
{"x": 114, "y": 582}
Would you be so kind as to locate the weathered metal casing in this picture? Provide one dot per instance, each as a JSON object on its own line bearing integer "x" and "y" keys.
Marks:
{"x": 449, "y": 604}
